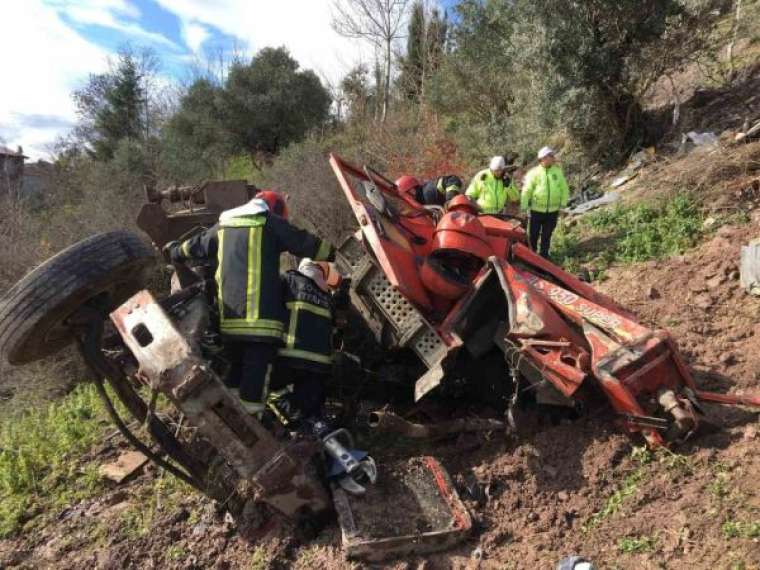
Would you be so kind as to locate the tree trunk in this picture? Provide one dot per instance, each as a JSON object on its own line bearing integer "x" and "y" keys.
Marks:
{"x": 387, "y": 82}
{"x": 735, "y": 32}
{"x": 378, "y": 100}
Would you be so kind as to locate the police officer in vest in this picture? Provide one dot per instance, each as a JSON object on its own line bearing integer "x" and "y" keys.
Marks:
{"x": 544, "y": 193}
{"x": 488, "y": 190}
{"x": 245, "y": 247}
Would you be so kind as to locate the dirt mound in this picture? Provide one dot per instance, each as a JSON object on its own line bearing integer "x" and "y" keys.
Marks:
{"x": 573, "y": 487}
{"x": 698, "y": 299}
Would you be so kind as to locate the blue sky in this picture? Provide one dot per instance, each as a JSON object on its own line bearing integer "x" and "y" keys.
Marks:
{"x": 58, "y": 43}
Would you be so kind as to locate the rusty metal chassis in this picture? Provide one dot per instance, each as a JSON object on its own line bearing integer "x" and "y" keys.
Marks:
{"x": 236, "y": 460}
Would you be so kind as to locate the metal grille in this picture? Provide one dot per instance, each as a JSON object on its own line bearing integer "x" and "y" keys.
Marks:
{"x": 429, "y": 346}
{"x": 398, "y": 310}
{"x": 350, "y": 255}
{"x": 411, "y": 329}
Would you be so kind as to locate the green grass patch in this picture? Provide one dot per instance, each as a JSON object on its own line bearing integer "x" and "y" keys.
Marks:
{"x": 38, "y": 451}
{"x": 628, "y": 234}
{"x": 637, "y": 544}
{"x": 630, "y": 485}
{"x": 738, "y": 529}
{"x": 719, "y": 487}
{"x": 176, "y": 552}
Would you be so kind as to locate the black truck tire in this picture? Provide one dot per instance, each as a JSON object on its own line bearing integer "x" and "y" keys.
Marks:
{"x": 33, "y": 313}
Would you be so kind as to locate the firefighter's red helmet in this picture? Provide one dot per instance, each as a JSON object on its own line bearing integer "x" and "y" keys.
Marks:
{"x": 463, "y": 204}
{"x": 276, "y": 201}
{"x": 407, "y": 184}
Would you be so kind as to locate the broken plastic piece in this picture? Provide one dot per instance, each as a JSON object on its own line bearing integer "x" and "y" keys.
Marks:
{"x": 750, "y": 268}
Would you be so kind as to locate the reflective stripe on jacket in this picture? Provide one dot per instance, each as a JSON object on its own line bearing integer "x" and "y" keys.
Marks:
{"x": 246, "y": 252}
{"x": 438, "y": 191}
{"x": 544, "y": 190}
{"x": 490, "y": 193}
{"x": 308, "y": 337}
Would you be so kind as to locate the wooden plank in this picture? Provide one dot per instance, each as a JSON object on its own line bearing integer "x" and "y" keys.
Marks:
{"x": 124, "y": 467}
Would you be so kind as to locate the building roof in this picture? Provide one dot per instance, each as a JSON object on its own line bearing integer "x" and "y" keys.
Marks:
{"x": 5, "y": 151}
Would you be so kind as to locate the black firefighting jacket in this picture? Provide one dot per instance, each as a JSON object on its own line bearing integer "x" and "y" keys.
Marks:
{"x": 308, "y": 337}
{"x": 246, "y": 253}
{"x": 440, "y": 190}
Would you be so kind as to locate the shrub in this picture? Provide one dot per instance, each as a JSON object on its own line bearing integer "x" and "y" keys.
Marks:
{"x": 629, "y": 234}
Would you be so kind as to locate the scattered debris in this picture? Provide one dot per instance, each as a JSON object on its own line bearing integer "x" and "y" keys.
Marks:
{"x": 624, "y": 179}
{"x": 575, "y": 563}
{"x": 608, "y": 198}
{"x": 127, "y": 464}
{"x": 709, "y": 223}
{"x": 653, "y": 293}
{"x": 586, "y": 195}
{"x": 748, "y": 134}
{"x": 642, "y": 157}
{"x": 750, "y": 268}
{"x": 474, "y": 489}
{"x": 384, "y": 421}
{"x": 702, "y": 139}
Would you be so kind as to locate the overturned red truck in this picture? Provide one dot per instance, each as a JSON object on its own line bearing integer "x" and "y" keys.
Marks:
{"x": 461, "y": 291}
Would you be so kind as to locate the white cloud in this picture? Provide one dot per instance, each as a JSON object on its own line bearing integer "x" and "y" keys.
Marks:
{"x": 113, "y": 14}
{"x": 194, "y": 34}
{"x": 303, "y": 26}
{"x": 44, "y": 60}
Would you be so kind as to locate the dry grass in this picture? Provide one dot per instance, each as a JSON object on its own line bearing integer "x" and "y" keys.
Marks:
{"x": 711, "y": 176}
{"x": 83, "y": 198}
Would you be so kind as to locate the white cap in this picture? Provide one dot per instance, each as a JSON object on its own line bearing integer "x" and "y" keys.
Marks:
{"x": 544, "y": 152}
{"x": 497, "y": 163}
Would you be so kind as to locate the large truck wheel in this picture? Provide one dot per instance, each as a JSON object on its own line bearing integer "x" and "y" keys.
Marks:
{"x": 34, "y": 313}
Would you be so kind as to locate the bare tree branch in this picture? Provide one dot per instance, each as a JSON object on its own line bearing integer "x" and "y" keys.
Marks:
{"x": 378, "y": 22}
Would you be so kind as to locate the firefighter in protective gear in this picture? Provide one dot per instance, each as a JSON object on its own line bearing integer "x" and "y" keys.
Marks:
{"x": 245, "y": 247}
{"x": 305, "y": 361}
{"x": 545, "y": 192}
{"x": 439, "y": 191}
{"x": 488, "y": 189}
{"x": 410, "y": 186}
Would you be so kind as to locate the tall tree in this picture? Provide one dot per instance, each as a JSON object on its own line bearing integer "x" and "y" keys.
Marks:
{"x": 594, "y": 60}
{"x": 194, "y": 145}
{"x": 114, "y": 106}
{"x": 425, "y": 46}
{"x": 435, "y": 41}
{"x": 356, "y": 92}
{"x": 269, "y": 103}
{"x": 379, "y": 22}
{"x": 475, "y": 82}
{"x": 412, "y": 67}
